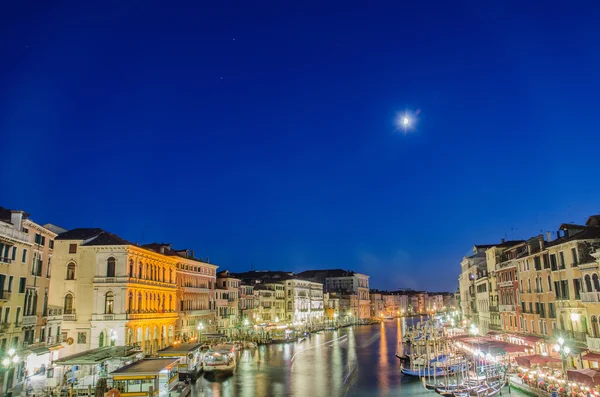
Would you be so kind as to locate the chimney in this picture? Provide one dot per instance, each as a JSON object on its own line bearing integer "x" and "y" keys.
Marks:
{"x": 162, "y": 249}
{"x": 192, "y": 253}
{"x": 548, "y": 236}
{"x": 16, "y": 218}
{"x": 502, "y": 240}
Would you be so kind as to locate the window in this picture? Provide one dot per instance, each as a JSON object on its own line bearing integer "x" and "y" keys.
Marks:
{"x": 110, "y": 267}
{"x": 48, "y": 267}
{"x": 72, "y": 248}
{"x": 24, "y": 257}
{"x": 561, "y": 256}
{"x": 18, "y": 315}
{"x": 68, "y": 306}
{"x": 81, "y": 338}
{"x": 51, "y": 244}
{"x": 22, "y": 281}
{"x": 553, "y": 264}
{"x": 14, "y": 253}
{"x": 574, "y": 254}
{"x": 596, "y": 283}
{"x": 130, "y": 268}
{"x": 70, "y": 271}
{"x": 6, "y": 315}
{"x": 109, "y": 303}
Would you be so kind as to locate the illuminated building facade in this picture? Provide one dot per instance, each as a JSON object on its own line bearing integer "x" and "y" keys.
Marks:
{"x": 112, "y": 292}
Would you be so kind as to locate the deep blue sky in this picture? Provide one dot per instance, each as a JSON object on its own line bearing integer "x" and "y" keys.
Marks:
{"x": 264, "y": 132}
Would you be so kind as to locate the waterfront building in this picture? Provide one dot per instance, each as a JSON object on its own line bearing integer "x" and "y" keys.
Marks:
{"x": 112, "y": 292}
{"x": 566, "y": 253}
{"x": 470, "y": 266}
{"x": 228, "y": 311}
{"x": 26, "y": 255}
{"x": 278, "y": 288}
{"x": 264, "y": 310}
{"x": 304, "y": 301}
{"x": 196, "y": 281}
{"x": 246, "y": 299}
{"x": 391, "y": 303}
{"x": 377, "y": 305}
{"x": 493, "y": 254}
{"x": 345, "y": 282}
{"x": 435, "y": 302}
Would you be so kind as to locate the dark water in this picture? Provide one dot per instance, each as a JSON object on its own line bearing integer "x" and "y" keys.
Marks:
{"x": 357, "y": 361}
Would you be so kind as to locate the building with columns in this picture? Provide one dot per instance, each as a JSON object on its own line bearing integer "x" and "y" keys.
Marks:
{"x": 112, "y": 292}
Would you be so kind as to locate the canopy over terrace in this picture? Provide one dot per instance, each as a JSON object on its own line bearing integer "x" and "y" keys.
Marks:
{"x": 97, "y": 356}
{"x": 536, "y": 359}
{"x": 491, "y": 346}
{"x": 586, "y": 376}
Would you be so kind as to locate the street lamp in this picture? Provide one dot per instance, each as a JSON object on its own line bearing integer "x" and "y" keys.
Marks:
{"x": 200, "y": 327}
{"x": 564, "y": 351}
{"x": 7, "y": 362}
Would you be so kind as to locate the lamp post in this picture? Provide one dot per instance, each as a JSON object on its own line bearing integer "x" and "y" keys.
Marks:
{"x": 7, "y": 363}
{"x": 200, "y": 327}
{"x": 564, "y": 351}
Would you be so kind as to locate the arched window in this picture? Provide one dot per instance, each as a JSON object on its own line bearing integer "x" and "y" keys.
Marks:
{"x": 596, "y": 283}
{"x": 170, "y": 275}
{"x": 594, "y": 321}
{"x": 68, "y": 306}
{"x": 70, "y": 271}
{"x": 109, "y": 303}
{"x": 140, "y": 271}
{"x": 164, "y": 274}
{"x": 140, "y": 306}
{"x": 130, "y": 268}
{"x": 549, "y": 284}
{"x": 147, "y": 271}
{"x": 101, "y": 339}
{"x": 130, "y": 303}
{"x": 110, "y": 267}
{"x": 588, "y": 283}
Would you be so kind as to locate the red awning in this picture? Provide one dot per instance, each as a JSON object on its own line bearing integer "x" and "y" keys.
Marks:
{"x": 587, "y": 376}
{"x": 527, "y": 338}
{"x": 511, "y": 348}
{"x": 592, "y": 357}
{"x": 536, "y": 359}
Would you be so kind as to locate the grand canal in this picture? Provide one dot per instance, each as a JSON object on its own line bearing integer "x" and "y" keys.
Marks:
{"x": 356, "y": 361}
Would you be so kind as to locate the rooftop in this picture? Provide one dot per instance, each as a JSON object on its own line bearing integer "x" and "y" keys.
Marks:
{"x": 147, "y": 366}
{"x": 81, "y": 233}
{"x": 96, "y": 356}
{"x": 182, "y": 348}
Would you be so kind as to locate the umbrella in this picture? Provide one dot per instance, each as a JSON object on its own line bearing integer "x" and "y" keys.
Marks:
{"x": 535, "y": 359}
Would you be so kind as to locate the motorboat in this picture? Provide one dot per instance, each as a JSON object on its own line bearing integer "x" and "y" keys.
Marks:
{"x": 219, "y": 362}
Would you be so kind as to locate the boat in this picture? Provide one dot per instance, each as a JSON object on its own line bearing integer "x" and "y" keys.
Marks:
{"x": 219, "y": 362}
{"x": 484, "y": 389}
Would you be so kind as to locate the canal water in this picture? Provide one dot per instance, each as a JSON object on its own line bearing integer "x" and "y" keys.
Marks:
{"x": 350, "y": 362}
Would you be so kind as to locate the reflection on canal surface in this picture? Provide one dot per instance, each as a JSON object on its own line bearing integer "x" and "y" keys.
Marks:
{"x": 357, "y": 361}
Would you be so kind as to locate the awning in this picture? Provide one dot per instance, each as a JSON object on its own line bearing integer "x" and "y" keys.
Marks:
{"x": 592, "y": 357}
{"x": 39, "y": 350}
{"x": 526, "y": 338}
{"x": 536, "y": 359}
{"x": 587, "y": 376}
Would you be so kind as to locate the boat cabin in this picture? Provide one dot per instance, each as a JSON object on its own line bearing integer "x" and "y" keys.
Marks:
{"x": 147, "y": 377}
{"x": 189, "y": 356}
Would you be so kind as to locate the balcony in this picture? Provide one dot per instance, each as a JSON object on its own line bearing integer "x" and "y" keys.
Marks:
{"x": 507, "y": 308}
{"x": 4, "y": 327}
{"x": 5, "y": 259}
{"x": 29, "y": 321}
{"x": 155, "y": 315}
{"x": 197, "y": 290}
{"x": 590, "y": 296}
{"x": 5, "y": 296}
{"x": 133, "y": 280}
{"x": 203, "y": 312}
{"x": 505, "y": 284}
{"x": 12, "y": 235}
{"x": 54, "y": 314}
{"x": 69, "y": 317}
{"x": 493, "y": 309}
{"x": 593, "y": 343}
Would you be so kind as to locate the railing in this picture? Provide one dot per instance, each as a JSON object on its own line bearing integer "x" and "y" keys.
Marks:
{"x": 507, "y": 308}
{"x": 503, "y": 284}
{"x": 5, "y": 295}
{"x": 578, "y": 336}
{"x": 137, "y": 316}
{"x": 493, "y": 309}
{"x": 590, "y": 296}
{"x": 14, "y": 234}
{"x": 196, "y": 289}
{"x": 593, "y": 343}
{"x": 70, "y": 317}
{"x": 5, "y": 259}
{"x": 574, "y": 264}
{"x": 29, "y": 320}
{"x": 4, "y": 326}
{"x": 133, "y": 280}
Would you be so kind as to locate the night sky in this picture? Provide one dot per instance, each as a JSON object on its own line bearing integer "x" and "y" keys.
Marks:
{"x": 263, "y": 134}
